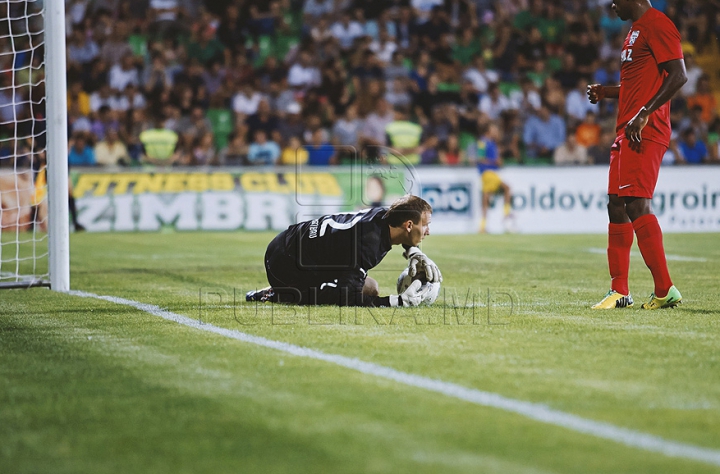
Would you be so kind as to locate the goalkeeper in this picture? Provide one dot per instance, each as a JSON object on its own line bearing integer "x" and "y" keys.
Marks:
{"x": 326, "y": 260}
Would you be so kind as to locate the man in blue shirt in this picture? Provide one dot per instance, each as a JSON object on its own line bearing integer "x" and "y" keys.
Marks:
{"x": 543, "y": 133}
{"x": 262, "y": 151}
{"x": 81, "y": 154}
{"x": 693, "y": 150}
{"x": 320, "y": 153}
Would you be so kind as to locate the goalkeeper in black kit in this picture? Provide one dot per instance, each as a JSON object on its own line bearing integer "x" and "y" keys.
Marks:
{"x": 325, "y": 261}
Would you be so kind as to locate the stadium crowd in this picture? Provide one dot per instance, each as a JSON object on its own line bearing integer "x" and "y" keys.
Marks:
{"x": 323, "y": 82}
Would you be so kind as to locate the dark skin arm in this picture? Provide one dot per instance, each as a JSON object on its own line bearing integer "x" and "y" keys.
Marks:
{"x": 672, "y": 83}
{"x": 675, "y": 79}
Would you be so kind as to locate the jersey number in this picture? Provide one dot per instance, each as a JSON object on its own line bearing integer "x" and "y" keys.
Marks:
{"x": 626, "y": 55}
{"x": 342, "y": 225}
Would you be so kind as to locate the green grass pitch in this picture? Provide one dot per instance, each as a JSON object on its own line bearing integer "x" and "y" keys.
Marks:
{"x": 89, "y": 386}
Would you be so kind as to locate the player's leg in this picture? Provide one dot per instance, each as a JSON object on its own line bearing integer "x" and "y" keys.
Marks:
{"x": 280, "y": 269}
{"x": 485, "y": 206}
{"x": 640, "y": 171}
{"x": 371, "y": 287}
{"x": 620, "y": 239}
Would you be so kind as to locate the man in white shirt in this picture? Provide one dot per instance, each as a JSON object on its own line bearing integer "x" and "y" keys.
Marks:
{"x": 571, "y": 153}
{"x": 303, "y": 74}
{"x": 246, "y": 101}
{"x": 123, "y": 74}
{"x": 480, "y": 77}
{"x": 494, "y": 102}
{"x": 346, "y": 31}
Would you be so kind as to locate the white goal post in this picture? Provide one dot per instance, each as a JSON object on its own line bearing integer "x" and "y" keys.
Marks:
{"x": 34, "y": 227}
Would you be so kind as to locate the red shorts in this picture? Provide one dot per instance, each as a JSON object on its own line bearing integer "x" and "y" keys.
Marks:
{"x": 633, "y": 173}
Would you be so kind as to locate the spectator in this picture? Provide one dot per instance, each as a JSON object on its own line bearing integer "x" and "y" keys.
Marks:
{"x": 588, "y": 132}
{"x": 527, "y": 100}
{"x": 262, "y": 151}
{"x": 246, "y": 101}
{"x": 320, "y": 152}
{"x": 397, "y": 94}
{"x": 123, "y": 74}
{"x": 130, "y": 99}
{"x": 346, "y": 130}
{"x": 673, "y": 155}
{"x": 111, "y": 151}
{"x": 205, "y": 47}
{"x": 600, "y": 154}
{"x": 577, "y": 104}
{"x": 346, "y": 30}
{"x": 585, "y": 54}
{"x": 263, "y": 119}
{"x": 480, "y": 76}
{"x": 704, "y": 99}
{"x": 467, "y": 48}
{"x": 303, "y": 74}
{"x": 204, "y": 150}
{"x": 494, "y": 102}
{"x": 159, "y": 144}
{"x": 116, "y": 46}
{"x": 531, "y": 49}
{"x": 568, "y": 76}
{"x": 76, "y": 95}
{"x": 106, "y": 119}
{"x": 693, "y": 72}
{"x": 543, "y": 133}
{"x": 693, "y": 150}
{"x": 82, "y": 50}
{"x": 450, "y": 153}
{"x": 570, "y": 152}
{"x": 235, "y": 153}
{"x": 429, "y": 152}
{"x": 316, "y": 8}
{"x": 404, "y": 138}
{"x": 373, "y": 132}
{"x": 396, "y": 68}
{"x": 294, "y": 153}
{"x": 81, "y": 153}
{"x": 384, "y": 48}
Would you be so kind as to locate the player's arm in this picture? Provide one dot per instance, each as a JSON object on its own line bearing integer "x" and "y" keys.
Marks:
{"x": 676, "y": 77}
{"x": 598, "y": 92}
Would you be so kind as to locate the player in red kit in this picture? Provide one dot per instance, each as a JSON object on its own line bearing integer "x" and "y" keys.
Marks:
{"x": 652, "y": 71}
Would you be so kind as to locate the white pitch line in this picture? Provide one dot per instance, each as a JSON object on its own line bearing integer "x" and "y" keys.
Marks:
{"x": 670, "y": 257}
{"x": 534, "y": 411}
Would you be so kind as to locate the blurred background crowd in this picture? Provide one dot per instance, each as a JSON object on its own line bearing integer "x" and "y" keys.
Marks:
{"x": 325, "y": 82}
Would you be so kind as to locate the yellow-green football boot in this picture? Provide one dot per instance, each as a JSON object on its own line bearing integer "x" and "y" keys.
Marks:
{"x": 613, "y": 300}
{"x": 672, "y": 299}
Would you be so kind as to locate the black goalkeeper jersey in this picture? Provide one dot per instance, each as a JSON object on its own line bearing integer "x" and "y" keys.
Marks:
{"x": 338, "y": 249}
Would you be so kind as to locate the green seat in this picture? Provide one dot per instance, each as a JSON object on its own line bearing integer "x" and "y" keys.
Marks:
{"x": 221, "y": 121}
{"x": 138, "y": 45}
{"x": 506, "y": 88}
{"x": 465, "y": 139}
{"x": 283, "y": 45}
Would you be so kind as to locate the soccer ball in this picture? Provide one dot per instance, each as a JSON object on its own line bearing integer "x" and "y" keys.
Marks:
{"x": 405, "y": 280}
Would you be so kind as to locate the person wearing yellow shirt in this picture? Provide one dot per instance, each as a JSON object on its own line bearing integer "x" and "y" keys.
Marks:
{"x": 294, "y": 153}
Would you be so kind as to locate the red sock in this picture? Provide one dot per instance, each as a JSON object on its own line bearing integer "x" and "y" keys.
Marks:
{"x": 620, "y": 239}
{"x": 650, "y": 241}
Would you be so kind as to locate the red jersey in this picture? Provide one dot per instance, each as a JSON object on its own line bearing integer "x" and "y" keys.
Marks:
{"x": 652, "y": 40}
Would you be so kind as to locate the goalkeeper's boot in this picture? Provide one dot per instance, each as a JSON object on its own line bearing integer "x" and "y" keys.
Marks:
{"x": 260, "y": 295}
{"x": 613, "y": 300}
{"x": 672, "y": 299}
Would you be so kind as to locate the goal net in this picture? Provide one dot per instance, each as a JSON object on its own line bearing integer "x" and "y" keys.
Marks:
{"x": 25, "y": 142}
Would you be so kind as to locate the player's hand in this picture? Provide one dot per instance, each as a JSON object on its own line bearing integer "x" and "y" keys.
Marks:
{"x": 633, "y": 129}
{"x": 419, "y": 262}
{"x": 413, "y": 296}
{"x": 595, "y": 93}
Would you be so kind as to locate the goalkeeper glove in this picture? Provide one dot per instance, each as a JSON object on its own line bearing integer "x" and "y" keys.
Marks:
{"x": 413, "y": 296}
{"x": 418, "y": 261}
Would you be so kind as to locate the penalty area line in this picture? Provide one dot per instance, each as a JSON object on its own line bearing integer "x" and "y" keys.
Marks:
{"x": 534, "y": 411}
